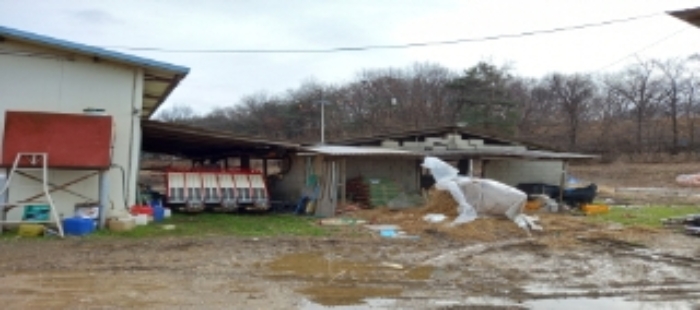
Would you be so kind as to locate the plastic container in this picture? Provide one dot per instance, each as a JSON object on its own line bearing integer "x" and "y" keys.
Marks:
{"x": 141, "y": 219}
{"x": 591, "y": 209}
{"x": 146, "y": 210}
{"x": 77, "y": 226}
{"x": 167, "y": 213}
{"x": 121, "y": 224}
{"x": 158, "y": 214}
{"x": 30, "y": 230}
{"x": 158, "y": 211}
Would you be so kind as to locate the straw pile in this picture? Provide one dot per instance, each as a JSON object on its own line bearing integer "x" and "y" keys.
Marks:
{"x": 411, "y": 221}
{"x": 561, "y": 231}
{"x": 440, "y": 202}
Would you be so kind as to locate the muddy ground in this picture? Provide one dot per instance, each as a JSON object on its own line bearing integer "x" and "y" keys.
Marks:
{"x": 652, "y": 270}
{"x": 573, "y": 264}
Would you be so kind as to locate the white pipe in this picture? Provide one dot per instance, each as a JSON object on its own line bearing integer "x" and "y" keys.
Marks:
{"x": 132, "y": 106}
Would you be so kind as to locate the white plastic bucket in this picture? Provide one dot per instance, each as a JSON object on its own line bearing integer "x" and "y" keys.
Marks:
{"x": 141, "y": 219}
{"x": 167, "y": 213}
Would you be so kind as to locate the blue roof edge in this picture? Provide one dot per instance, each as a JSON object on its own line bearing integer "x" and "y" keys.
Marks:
{"x": 92, "y": 50}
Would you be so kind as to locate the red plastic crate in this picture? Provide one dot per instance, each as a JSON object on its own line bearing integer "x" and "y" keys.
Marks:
{"x": 136, "y": 210}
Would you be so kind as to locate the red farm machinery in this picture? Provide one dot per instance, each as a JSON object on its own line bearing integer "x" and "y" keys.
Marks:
{"x": 224, "y": 190}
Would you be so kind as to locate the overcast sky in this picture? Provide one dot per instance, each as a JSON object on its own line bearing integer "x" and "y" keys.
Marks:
{"x": 222, "y": 79}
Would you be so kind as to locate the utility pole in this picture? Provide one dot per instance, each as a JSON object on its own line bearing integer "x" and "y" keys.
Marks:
{"x": 323, "y": 121}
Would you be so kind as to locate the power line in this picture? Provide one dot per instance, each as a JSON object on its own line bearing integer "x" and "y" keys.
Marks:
{"x": 385, "y": 46}
{"x": 657, "y": 42}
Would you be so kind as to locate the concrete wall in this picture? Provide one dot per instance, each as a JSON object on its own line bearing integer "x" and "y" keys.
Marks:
{"x": 513, "y": 172}
{"x": 37, "y": 79}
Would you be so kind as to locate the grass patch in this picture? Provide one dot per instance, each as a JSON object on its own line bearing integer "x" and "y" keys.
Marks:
{"x": 649, "y": 216}
{"x": 213, "y": 224}
{"x": 252, "y": 225}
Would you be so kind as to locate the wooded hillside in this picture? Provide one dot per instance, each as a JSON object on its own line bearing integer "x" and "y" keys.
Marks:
{"x": 644, "y": 111}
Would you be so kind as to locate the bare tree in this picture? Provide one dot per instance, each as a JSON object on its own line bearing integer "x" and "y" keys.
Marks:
{"x": 177, "y": 114}
{"x": 675, "y": 83}
{"x": 573, "y": 94}
{"x": 640, "y": 91}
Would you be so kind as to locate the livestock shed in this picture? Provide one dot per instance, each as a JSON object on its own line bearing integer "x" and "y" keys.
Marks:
{"x": 51, "y": 85}
{"x": 478, "y": 154}
{"x": 208, "y": 160}
{"x": 326, "y": 173}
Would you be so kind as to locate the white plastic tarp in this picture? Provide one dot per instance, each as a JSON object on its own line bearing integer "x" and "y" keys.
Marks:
{"x": 477, "y": 196}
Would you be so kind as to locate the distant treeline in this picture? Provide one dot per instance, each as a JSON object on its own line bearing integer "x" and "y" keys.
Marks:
{"x": 644, "y": 111}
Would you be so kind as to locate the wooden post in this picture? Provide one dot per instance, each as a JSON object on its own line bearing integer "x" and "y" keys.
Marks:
{"x": 102, "y": 193}
{"x": 343, "y": 179}
{"x": 562, "y": 182}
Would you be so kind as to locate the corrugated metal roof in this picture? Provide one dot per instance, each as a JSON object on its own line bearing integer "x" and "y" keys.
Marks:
{"x": 341, "y": 150}
{"x": 408, "y": 133}
{"x": 194, "y": 142}
{"x": 412, "y": 134}
{"x": 354, "y": 151}
{"x": 523, "y": 154}
{"x": 91, "y": 50}
{"x": 159, "y": 80}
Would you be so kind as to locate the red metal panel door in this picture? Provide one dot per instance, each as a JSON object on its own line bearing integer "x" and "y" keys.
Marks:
{"x": 74, "y": 141}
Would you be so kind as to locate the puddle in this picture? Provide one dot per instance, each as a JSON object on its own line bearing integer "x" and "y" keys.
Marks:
{"x": 372, "y": 303}
{"x": 321, "y": 266}
{"x": 420, "y": 273}
{"x": 644, "y": 290}
{"x": 606, "y": 303}
{"x": 335, "y": 281}
{"x": 328, "y": 266}
{"x": 334, "y": 295}
{"x": 659, "y": 296}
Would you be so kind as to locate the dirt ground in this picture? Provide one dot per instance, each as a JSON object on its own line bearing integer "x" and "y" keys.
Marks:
{"x": 639, "y": 183}
{"x": 487, "y": 264}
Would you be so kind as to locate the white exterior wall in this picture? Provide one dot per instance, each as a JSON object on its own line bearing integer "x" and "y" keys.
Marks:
{"x": 512, "y": 172}
{"x": 51, "y": 83}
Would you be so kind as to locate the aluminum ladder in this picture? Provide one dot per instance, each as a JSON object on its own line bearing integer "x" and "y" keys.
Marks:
{"x": 30, "y": 162}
